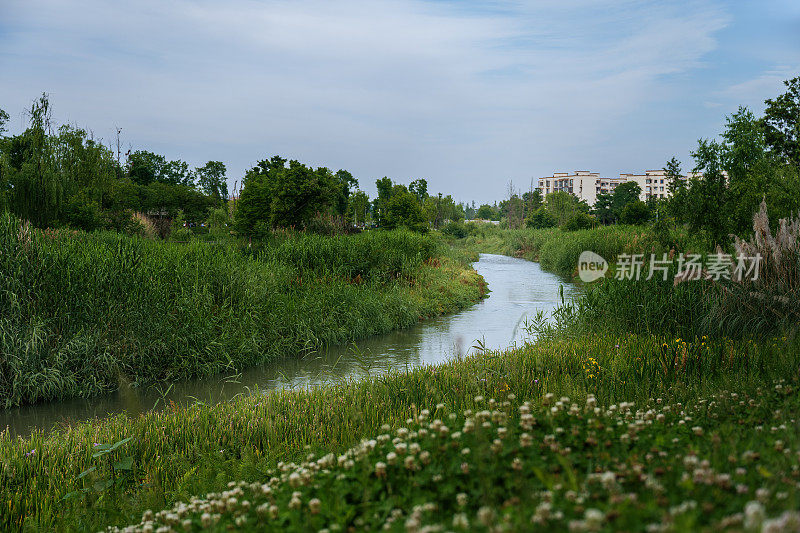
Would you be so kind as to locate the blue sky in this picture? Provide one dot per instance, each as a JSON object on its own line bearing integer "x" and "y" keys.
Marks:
{"x": 468, "y": 95}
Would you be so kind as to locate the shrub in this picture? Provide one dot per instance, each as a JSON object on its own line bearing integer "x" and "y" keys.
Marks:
{"x": 578, "y": 221}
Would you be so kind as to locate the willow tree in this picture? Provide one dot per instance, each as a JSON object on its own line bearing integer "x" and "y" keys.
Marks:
{"x": 36, "y": 187}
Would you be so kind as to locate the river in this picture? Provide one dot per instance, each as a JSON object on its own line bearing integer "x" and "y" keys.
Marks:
{"x": 519, "y": 289}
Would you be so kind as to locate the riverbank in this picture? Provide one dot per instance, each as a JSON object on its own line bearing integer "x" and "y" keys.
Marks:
{"x": 166, "y": 457}
{"x": 83, "y": 312}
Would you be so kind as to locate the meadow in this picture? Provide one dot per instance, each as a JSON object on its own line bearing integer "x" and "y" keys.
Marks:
{"x": 633, "y": 408}
{"x": 79, "y": 312}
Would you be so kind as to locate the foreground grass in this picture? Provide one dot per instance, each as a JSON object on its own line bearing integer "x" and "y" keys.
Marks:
{"x": 729, "y": 461}
{"x": 79, "y": 312}
{"x": 195, "y": 449}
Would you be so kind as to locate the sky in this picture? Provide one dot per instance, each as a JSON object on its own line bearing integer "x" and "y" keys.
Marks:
{"x": 469, "y": 95}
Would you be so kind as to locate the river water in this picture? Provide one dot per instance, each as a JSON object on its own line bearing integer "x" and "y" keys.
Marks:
{"x": 519, "y": 289}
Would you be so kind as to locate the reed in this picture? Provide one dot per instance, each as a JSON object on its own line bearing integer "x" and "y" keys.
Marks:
{"x": 78, "y": 310}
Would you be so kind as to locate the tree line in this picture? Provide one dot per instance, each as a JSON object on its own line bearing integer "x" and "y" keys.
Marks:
{"x": 754, "y": 158}
{"x": 63, "y": 176}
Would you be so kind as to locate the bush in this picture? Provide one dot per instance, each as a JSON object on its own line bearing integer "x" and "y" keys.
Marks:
{"x": 578, "y": 221}
{"x": 455, "y": 229}
{"x": 635, "y": 213}
{"x": 541, "y": 218}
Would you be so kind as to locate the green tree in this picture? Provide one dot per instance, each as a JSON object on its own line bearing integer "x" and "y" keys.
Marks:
{"x": 212, "y": 181}
{"x": 624, "y": 194}
{"x": 358, "y": 208}
{"x": 562, "y": 205}
{"x": 603, "y": 208}
{"x": 419, "y": 188}
{"x": 708, "y": 193}
{"x": 384, "y": 186}
{"x": 403, "y": 210}
{"x": 541, "y": 218}
{"x": 345, "y": 183}
{"x": 3, "y": 121}
{"x": 487, "y": 212}
{"x": 36, "y": 188}
{"x": 782, "y": 123}
{"x": 635, "y": 212}
{"x": 275, "y": 195}
{"x": 674, "y": 175}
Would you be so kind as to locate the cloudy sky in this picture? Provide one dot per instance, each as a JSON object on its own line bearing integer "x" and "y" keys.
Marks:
{"x": 468, "y": 95}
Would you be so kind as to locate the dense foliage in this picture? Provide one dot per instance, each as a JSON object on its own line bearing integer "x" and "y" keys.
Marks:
{"x": 65, "y": 177}
{"x": 77, "y": 310}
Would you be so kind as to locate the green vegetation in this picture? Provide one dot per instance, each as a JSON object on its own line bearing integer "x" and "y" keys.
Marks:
{"x": 82, "y": 311}
{"x": 193, "y": 450}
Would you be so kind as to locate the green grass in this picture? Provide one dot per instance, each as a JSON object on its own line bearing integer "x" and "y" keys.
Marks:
{"x": 195, "y": 449}
{"x": 79, "y": 312}
{"x": 667, "y": 424}
{"x": 555, "y": 464}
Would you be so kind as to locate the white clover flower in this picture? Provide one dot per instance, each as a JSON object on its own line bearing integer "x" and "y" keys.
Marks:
{"x": 486, "y": 516}
{"x": 462, "y": 499}
{"x": 754, "y": 515}
{"x": 314, "y": 505}
{"x": 460, "y": 521}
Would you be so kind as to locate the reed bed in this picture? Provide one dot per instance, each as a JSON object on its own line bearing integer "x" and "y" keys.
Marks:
{"x": 79, "y": 312}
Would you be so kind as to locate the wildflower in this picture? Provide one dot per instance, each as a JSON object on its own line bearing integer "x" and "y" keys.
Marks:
{"x": 697, "y": 430}
{"x": 380, "y": 469}
{"x": 391, "y": 458}
{"x": 460, "y": 521}
{"x": 314, "y": 505}
{"x": 754, "y": 515}
{"x": 486, "y": 516}
{"x": 461, "y": 499}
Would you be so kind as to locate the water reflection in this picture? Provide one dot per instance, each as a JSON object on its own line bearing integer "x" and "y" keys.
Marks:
{"x": 519, "y": 289}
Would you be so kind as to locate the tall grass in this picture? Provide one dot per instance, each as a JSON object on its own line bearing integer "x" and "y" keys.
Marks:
{"x": 194, "y": 449}
{"x": 79, "y": 312}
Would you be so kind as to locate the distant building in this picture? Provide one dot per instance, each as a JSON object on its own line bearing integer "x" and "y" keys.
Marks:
{"x": 587, "y": 185}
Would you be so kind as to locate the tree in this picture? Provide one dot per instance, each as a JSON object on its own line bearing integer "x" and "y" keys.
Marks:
{"x": 358, "y": 208}
{"x": 708, "y": 193}
{"x": 635, "y": 212}
{"x": 541, "y": 218}
{"x": 782, "y": 123}
{"x": 578, "y": 221}
{"x": 211, "y": 180}
{"x": 674, "y": 175}
{"x": 486, "y": 212}
{"x": 145, "y": 167}
{"x": 624, "y": 194}
{"x": 403, "y": 210}
{"x": 275, "y": 195}
{"x": 36, "y": 186}
{"x": 345, "y": 182}
{"x": 603, "y": 208}
{"x": 3, "y": 121}
{"x": 419, "y": 188}
{"x": 384, "y": 186}
{"x": 562, "y": 205}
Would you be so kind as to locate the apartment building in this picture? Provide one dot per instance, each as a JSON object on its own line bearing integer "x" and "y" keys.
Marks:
{"x": 587, "y": 185}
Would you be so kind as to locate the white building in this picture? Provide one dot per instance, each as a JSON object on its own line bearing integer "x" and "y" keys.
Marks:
{"x": 587, "y": 185}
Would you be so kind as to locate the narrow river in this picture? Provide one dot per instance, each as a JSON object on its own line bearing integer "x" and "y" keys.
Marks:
{"x": 519, "y": 289}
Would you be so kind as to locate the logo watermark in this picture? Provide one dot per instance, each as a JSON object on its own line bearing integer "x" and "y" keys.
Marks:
{"x": 690, "y": 267}
{"x": 591, "y": 266}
